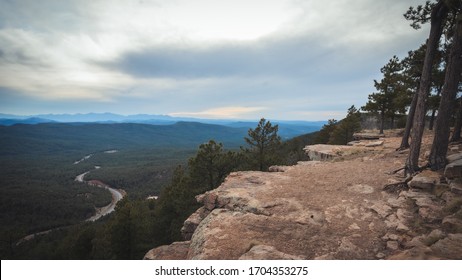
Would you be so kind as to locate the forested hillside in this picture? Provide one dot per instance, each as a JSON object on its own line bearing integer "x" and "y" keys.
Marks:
{"x": 90, "y": 137}
{"x": 40, "y": 163}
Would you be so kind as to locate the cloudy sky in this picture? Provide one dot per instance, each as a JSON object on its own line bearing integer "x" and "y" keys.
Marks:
{"x": 241, "y": 59}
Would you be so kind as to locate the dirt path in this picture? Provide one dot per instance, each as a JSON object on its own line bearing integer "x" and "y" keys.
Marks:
{"x": 117, "y": 195}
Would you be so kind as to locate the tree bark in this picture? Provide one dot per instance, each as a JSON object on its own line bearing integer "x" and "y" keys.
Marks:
{"x": 382, "y": 122}
{"x": 432, "y": 120}
{"x": 458, "y": 125}
{"x": 410, "y": 117}
{"x": 438, "y": 17}
{"x": 448, "y": 96}
{"x": 434, "y": 110}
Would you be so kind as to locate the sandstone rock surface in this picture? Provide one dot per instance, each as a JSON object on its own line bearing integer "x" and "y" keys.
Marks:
{"x": 175, "y": 251}
{"x": 321, "y": 152}
{"x": 324, "y": 210}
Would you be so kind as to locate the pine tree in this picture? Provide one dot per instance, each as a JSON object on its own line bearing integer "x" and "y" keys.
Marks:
{"x": 452, "y": 80}
{"x": 264, "y": 143}
{"x": 438, "y": 16}
{"x": 388, "y": 101}
{"x": 325, "y": 133}
{"x": 344, "y": 130}
{"x": 211, "y": 165}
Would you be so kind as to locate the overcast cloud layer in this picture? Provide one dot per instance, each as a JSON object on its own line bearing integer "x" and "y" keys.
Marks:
{"x": 292, "y": 59}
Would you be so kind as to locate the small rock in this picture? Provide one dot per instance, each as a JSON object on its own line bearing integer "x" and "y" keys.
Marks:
{"x": 372, "y": 226}
{"x": 354, "y": 143}
{"x": 347, "y": 245}
{"x": 277, "y": 168}
{"x": 452, "y": 224}
{"x": 403, "y": 215}
{"x": 402, "y": 227}
{"x": 374, "y": 144}
{"x": 380, "y": 256}
{"x": 325, "y": 257}
{"x": 392, "y": 221}
{"x": 415, "y": 253}
{"x": 430, "y": 214}
{"x": 365, "y": 189}
{"x": 440, "y": 189}
{"x": 209, "y": 199}
{"x": 448, "y": 197}
{"x": 397, "y": 202}
{"x": 390, "y": 236}
{"x": 367, "y": 136}
{"x": 414, "y": 242}
{"x": 393, "y": 245}
{"x": 354, "y": 226}
{"x": 422, "y": 199}
{"x": 264, "y": 252}
{"x": 382, "y": 209}
{"x": 434, "y": 236}
{"x": 456, "y": 186}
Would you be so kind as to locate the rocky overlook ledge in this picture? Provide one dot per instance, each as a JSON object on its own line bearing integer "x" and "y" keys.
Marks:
{"x": 350, "y": 206}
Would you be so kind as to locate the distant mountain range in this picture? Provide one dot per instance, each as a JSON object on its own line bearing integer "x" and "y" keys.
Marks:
{"x": 287, "y": 129}
{"x": 58, "y": 138}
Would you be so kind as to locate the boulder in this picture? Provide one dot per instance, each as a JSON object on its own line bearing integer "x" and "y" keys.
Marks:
{"x": 422, "y": 199}
{"x": 209, "y": 200}
{"x": 415, "y": 253}
{"x": 454, "y": 157}
{"x": 453, "y": 170}
{"x": 456, "y": 186}
{"x": 174, "y": 251}
{"x": 449, "y": 247}
{"x": 367, "y": 136}
{"x": 425, "y": 180}
{"x": 452, "y": 224}
{"x": 375, "y": 144}
{"x": 190, "y": 225}
{"x": 321, "y": 152}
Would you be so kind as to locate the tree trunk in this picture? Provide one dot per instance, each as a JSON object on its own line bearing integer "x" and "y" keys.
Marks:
{"x": 432, "y": 120}
{"x": 410, "y": 117}
{"x": 434, "y": 110}
{"x": 448, "y": 95}
{"x": 458, "y": 125}
{"x": 438, "y": 16}
{"x": 382, "y": 121}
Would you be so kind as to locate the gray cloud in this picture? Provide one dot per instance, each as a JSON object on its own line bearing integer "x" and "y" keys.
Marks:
{"x": 217, "y": 61}
{"x": 85, "y": 55}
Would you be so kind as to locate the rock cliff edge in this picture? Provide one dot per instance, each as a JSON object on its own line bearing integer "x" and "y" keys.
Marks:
{"x": 351, "y": 206}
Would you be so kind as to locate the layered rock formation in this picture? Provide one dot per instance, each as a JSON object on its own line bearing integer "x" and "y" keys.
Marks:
{"x": 352, "y": 207}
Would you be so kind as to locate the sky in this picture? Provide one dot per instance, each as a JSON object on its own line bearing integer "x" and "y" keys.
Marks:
{"x": 227, "y": 59}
